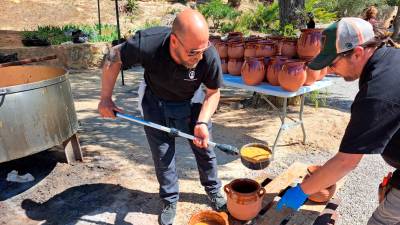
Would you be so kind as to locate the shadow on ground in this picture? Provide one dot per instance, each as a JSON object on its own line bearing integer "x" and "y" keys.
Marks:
{"x": 38, "y": 165}
{"x": 73, "y": 204}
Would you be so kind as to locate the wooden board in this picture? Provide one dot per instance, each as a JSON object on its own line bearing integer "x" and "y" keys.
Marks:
{"x": 308, "y": 213}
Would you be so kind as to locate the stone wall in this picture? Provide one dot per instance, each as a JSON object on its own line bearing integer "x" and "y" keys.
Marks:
{"x": 69, "y": 56}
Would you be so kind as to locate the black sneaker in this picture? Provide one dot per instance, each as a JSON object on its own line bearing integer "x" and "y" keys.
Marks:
{"x": 218, "y": 201}
{"x": 167, "y": 215}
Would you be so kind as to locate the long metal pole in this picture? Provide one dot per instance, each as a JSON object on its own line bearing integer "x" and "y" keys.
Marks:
{"x": 174, "y": 132}
{"x": 98, "y": 14}
{"x": 119, "y": 36}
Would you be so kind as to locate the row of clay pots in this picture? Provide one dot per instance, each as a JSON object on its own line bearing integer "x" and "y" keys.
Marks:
{"x": 236, "y": 50}
{"x": 290, "y": 74}
{"x": 306, "y": 47}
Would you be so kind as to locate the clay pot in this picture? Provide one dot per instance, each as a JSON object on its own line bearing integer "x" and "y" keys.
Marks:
{"x": 265, "y": 49}
{"x": 244, "y": 198}
{"x": 235, "y": 35}
{"x": 323, "y": 73}
{"x": 253, "y": 71}
{"x": 309, "y": 44}
{"x": 235, "y": 50}
{"x": 289, "y": 47}
{"x": 209, "y": 217}
{"x": 293, "y": 75}
{"x": 250, "y": 49}
{"x": 312, "y": 76}
{"x": 323, "y": 195}
{"x": 235, "y": 66}
{"x": 278, "y": 41}
{"x": 273, "y": 68}
{"x": 222, "y": 48}
{"x": 214, "y": 39}
{"x": 224, "y": 65}
{"x": 266, "y": 63}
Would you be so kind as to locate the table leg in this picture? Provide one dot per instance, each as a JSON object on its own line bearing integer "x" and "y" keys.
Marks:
{"x": 301, "y": 119}
{"x": 282, "y": 117}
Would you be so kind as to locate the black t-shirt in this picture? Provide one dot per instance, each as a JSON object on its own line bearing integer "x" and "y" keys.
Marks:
{"x": 374, "y": 127}
{"x": 165, "y": 78}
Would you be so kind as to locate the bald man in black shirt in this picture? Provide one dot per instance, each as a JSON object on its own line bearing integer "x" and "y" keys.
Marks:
{"x": 176, "y": 62}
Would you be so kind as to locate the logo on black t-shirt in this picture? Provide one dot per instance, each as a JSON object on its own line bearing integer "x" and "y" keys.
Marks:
{"x": 191, "y": 75}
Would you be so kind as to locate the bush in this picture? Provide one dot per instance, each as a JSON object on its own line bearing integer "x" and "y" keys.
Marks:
{"x": 130, "y": 7}
{"x": 57, "y": 35}
{"x": 356, "y": 7}
{"x": 218, "y": 11}
{"x": 263, "y": 19}
{"x": 323, "y": 11}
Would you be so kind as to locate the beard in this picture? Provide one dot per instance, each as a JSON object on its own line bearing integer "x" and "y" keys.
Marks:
{"x": 186, "y": 64}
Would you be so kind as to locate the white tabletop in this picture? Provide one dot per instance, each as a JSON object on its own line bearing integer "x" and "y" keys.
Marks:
{"x": 265, "y": 88}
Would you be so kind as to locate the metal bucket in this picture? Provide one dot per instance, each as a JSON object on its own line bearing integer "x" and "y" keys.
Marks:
{"x": 36, "y": 110}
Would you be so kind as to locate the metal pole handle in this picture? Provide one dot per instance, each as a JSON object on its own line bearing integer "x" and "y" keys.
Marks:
{"x": 223, "y": 147}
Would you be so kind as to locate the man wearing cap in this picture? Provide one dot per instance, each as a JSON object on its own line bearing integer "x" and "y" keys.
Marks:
{"x": 176, "y": 62}
{"x": 351, "y": 50}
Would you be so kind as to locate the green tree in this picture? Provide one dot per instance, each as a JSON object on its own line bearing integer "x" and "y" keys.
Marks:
{"x": 396, "y": 22}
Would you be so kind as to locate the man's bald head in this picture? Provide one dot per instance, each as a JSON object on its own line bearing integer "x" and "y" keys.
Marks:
{"x": 190, "y": 24}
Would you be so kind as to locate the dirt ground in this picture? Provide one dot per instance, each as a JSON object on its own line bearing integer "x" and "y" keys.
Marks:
{"x": 116, "y": 183}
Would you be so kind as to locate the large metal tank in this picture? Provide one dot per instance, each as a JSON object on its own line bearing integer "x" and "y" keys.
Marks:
{"x": 36, "y": 110}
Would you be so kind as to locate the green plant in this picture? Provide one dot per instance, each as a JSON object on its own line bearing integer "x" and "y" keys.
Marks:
{"x": 151, "y": 23}
{"x": 317, "y": 98}
{"x": 172, "y": 10}
{"x": 131, "y": 7}
{"x": 263, "y": 19}
{"x": 393, "y": 2}
{"x": 355, "y": 7}
{"x": 57, "y": 35}
{"x": 218, "y": 11}
{"x": 289, "y": 31}
{"x": 323, "y": 11}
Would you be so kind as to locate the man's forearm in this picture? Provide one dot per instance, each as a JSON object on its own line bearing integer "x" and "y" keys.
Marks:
{"x": 210, "y": 104}
{"x": 333, "y": 170}
{"x": 111, "y": 69}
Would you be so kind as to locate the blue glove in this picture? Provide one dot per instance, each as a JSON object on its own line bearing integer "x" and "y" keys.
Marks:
{"x": 293, "y": 198}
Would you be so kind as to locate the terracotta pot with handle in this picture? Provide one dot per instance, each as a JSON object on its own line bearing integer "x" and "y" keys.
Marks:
{"x": 235, "y": 50}
{"x": 323, "y": 73}
{"x": 250, "y": 49}
{"x": 309, "y": 43}
{"x": 312, "y": 76}
{"x": 265, "y": 49}
{"x": 244, "y": 198}
{"x": 323, "y": 195}
{"x": 278, "y": 41}
{"x": 235, "y": 35}
{"x": 273, "y": 68}
{"x": 293, "y": 75}
{"x": 214, "y": 39}
{"x": 224, "y": 65}
{"x": 222, "y": 48}
{"x": 289, "y": 47}
{"x": 235, "y": 66}
{"x": 209, "y": 217}
{"x": 253, "y": 71}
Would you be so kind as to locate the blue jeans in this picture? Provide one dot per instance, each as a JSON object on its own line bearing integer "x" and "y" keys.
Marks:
{"x": 162, "y": 146}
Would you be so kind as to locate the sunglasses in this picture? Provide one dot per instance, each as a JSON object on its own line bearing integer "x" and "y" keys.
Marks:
{"x": 339, "y": 56}
{"x": 193, "y": 52}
